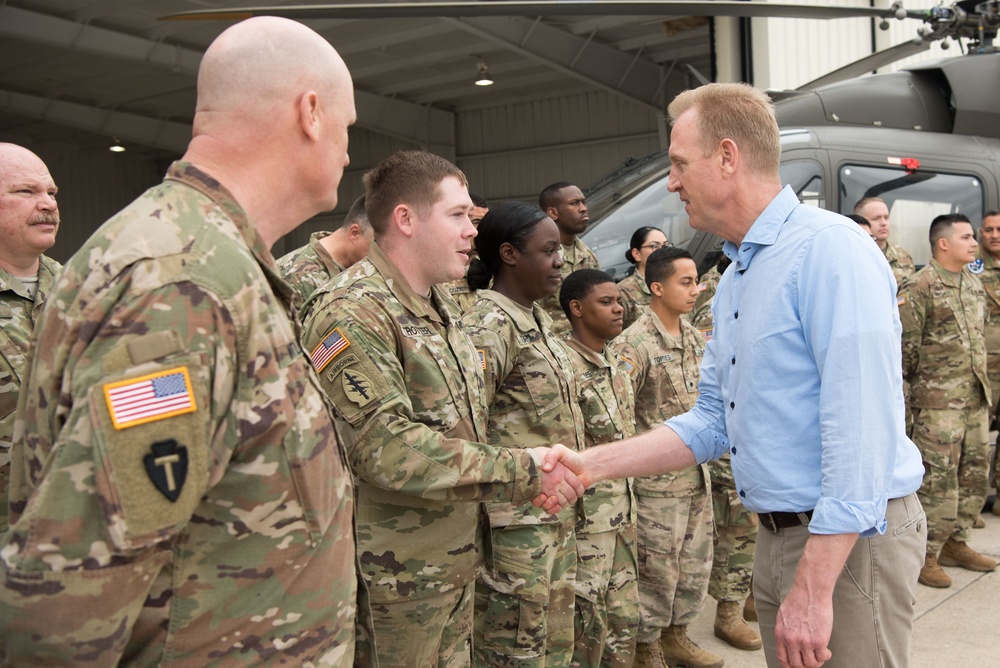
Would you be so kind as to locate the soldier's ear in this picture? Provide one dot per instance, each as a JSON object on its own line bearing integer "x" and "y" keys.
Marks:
{"x": 508, "y": 254}
{"x": 656, "y": 288}
{"x": 576, "y": 308}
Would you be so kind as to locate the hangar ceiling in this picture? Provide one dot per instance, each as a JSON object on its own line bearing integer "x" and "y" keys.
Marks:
{"x": 84, "y": 71}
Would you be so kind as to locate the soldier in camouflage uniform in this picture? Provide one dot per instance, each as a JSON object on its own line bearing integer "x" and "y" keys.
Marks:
{"x": 634, "y": 291}
{"x": 178, "y": 493}
{"x": 328, "y": 253}
{"x": 987, "y": 268}
{"x": 525, "y": 597}
{"x": 29, "y": 220}
{"x": 459, "y": 290}
{"x": 674, "y": 509}
{"x": 406, "y": 382}
{"x": 607, "y": 592}
{"x": 565, "y": 204}
{"x": 875, "y": 211}
{"x": 735, "y": 527}
{"x": 943, "y": 314}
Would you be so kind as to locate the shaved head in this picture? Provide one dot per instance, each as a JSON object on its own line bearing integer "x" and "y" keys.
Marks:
{"x": 265, "y": 62}
{"x": 275, "y": 101}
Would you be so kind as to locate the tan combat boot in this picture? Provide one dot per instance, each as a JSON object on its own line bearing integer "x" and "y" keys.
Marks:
{"x": 932, "y": 575}
{"x": 649, "y": 655}
{"x": 750, "y": 609}
{"x": 680, "y": 652}
{"x": 980, "y": 523}
{"x": 955, "y": 553}
{"x": 731, "y": 628}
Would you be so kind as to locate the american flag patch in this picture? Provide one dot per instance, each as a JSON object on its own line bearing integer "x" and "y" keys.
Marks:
{"x": 334, "y": 343}
{"x": 482, "y": 358}
{"x": 900, "y": 300}
{"x": 149, "y": 398}
{"x": 707, "y": 334}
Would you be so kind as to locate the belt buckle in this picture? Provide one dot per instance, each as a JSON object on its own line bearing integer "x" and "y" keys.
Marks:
{"x": 767, "y": 521}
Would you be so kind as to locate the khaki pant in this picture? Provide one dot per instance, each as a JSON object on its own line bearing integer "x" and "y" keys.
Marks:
{"x": 874, "y": 595}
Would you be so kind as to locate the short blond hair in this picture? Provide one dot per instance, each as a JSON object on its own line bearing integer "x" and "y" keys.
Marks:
{"x": 735, "y": 111}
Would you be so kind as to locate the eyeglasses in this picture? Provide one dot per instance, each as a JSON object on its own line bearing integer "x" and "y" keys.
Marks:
{"x": 655, "y": 246}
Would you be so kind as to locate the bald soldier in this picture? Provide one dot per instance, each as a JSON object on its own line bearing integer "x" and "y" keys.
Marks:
{"x": 178, "y": 493}
{"x": 29, "y": 220}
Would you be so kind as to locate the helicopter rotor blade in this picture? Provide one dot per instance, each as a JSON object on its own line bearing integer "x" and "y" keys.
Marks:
{"x": 373, "y": 10}
{"x": 868, "y": 63}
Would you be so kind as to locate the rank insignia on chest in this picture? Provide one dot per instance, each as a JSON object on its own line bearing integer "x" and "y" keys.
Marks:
{"x": 149, "y": 398}
{"x": 332, "y": 345}
{"x": 166, "y": 466}
{"x": 977, "y": 266}
{"x": 358, "y": 387}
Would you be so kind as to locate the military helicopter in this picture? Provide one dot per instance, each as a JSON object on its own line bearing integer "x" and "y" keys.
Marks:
{"x": 925, "y": 139}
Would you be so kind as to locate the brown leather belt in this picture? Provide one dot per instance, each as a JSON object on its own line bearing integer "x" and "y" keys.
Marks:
{"x": 774, "y": 522}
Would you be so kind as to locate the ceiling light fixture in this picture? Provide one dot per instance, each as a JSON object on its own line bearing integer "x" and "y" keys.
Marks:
{"x": 117, "y": 146}
{"x": 484, "y": 78}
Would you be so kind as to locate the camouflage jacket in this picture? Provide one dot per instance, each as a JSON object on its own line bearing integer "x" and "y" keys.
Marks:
{"x": 701, "y": 315}
{"x": 944, "y": 346}
{"x": 530, "y": 389}
{"x": 18, "y": 312}
{"x": 635, "y": 296}
{"x": 900, "y": 262}
{"x": 604, "y": 393}
{"x": 178, "y": 494}
{"x": 463, "y": 295}
{"x": 309, "y": 267}
{"x": 987, "y": 269}
{"x": 406, "y": 383}
{"x": 577, "y": 256}
{"x": 665, "y": 373}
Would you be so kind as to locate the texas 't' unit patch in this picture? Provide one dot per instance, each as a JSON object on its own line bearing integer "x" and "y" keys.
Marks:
{"x": 156, "y": 396}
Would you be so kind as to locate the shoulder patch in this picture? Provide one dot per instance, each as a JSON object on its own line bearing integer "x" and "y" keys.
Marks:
{"x": 900, "y": 300}
{"x": 630, "y": 366}
{"x": 156, "y": 396}
{"x": 332, "y": 345}
{"x": 702, "y": 286}
{"x": 482, "y": 357}
{"x": 706, "y": 333}
{"x": 977, "y": 266}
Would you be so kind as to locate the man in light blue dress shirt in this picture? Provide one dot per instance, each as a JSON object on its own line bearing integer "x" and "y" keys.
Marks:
{"x": 802, "y": 385}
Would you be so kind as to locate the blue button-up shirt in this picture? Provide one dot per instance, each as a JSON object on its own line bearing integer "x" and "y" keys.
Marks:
{"x": 802, "y": 381}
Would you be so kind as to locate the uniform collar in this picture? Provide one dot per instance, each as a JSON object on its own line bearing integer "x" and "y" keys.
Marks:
{"x": 439, "y": 308}
{"x": 525, "y": 320}
{"x": 599, "y": 359}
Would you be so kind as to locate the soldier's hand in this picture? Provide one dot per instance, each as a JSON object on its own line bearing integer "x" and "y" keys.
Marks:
{"x": 560, "y": 486}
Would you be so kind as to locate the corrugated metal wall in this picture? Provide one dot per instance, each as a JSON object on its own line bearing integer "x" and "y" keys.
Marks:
{"x": 513, "y": 151}
{"x": 791, "y": 52}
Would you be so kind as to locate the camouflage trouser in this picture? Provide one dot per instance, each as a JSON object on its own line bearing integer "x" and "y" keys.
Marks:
{"x": 735, "y": 539}
{"x": 675, "y": 560}
{"x": 431, "y": 631}
{"x": 606, "y": 619}
{"x": 524, "y": 603}
{"x": 995, "y": 416}
{"x": 955, "y": 451}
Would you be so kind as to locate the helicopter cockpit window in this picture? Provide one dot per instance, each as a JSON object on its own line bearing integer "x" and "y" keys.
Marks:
{"x": 653, "y": 205}
{"x": 914, "y": 199}
{"x": 806, "y": 178}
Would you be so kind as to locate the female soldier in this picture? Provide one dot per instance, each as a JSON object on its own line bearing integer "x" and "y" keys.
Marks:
{"x": 524, "y": 599}
{"x": 633, "y": 290}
